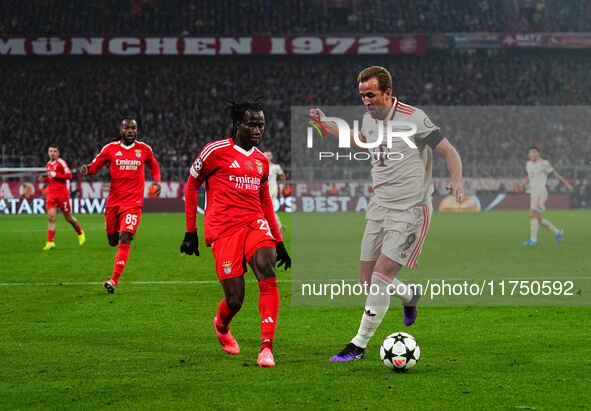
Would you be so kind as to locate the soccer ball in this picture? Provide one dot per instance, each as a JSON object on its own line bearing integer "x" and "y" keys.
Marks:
{"x": 400, "y": 351}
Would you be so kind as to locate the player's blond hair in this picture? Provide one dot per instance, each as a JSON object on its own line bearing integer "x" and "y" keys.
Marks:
{"x": 380, "y": 73}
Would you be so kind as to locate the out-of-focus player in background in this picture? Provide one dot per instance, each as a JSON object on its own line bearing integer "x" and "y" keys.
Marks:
{"x": 538, "y": 170}
{"x": 239, "y": 224}
{"x": 398, "y": 215}
{"x": 275, "y": 188}
{"x": 126, "y": 158}
{"x": 58, "y": 196}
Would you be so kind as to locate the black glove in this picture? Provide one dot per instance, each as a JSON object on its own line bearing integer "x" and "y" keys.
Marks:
{"x": 283, "y": 258}
{"x": 190, "y": 244}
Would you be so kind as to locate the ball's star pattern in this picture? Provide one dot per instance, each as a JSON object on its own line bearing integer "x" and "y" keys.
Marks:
{"x": 399, "y": 337}
{"x": 388, "y": 354}
{"x": 409, "y": 355}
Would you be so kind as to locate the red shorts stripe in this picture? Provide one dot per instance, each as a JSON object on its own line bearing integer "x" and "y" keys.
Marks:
{"x": 412, "y": 261}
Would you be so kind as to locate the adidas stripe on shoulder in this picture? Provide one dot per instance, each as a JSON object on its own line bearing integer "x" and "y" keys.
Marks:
{"x": 104, "y": 148}
{"x": 211, "y": 147}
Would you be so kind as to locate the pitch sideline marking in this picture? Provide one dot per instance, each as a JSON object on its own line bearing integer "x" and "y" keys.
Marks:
{"x": 48, "y": 284}
{"x": 206, "y": 282}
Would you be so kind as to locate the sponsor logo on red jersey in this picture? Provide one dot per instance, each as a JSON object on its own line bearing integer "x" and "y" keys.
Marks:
{"x": 245, "y": 182}
{"x": 128, "y": 164}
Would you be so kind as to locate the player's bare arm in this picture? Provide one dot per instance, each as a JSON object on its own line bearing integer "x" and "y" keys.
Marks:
{"x": 377, "y": 99}
{"x": 454, "y": 165}
{"x": 283, "y": 182}
{"x": 563, "y": 181}
{"x": 331, "y": 127}
{"x": 524, "y": 183}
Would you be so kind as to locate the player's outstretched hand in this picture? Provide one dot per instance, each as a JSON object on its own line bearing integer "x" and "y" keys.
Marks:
{"x": 84, "y": 169}
{"x": 190, "y": 244}
{"x": 456, "y": 190}
{"x": 316, "y": 114}
{"x": 283, "y": 259}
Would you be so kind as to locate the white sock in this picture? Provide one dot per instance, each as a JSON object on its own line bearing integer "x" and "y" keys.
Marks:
{"x": 550, "y": 226}
{"x": 534, "y": 225}
{"x": 401, "y": 290}
{"x": 376, "y": 306}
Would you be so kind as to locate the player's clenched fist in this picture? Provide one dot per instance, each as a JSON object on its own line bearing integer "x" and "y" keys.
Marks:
{"x": 84, "y": 169}
{"x": 316, "y": 114}
{"x": 283, "y": 258}
{"x": 190, "y": 244}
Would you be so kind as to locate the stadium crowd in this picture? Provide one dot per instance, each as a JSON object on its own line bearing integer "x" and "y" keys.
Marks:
{"x": 263, "y": 17}
{"x": 78, "y": 103}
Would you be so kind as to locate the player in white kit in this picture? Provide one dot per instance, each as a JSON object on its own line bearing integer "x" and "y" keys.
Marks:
{"x": 398, "y": 215}
{"x": 275, "y": 171}
{"x": 538, "y": 170}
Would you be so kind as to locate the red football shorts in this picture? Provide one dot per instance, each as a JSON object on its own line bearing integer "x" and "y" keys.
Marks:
{"x": 126, "y": 220}
{"x": 61, "y": 201}
{"x": 232, "y": 252}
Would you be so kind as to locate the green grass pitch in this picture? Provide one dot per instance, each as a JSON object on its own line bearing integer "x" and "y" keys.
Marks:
{"x": 66, "y": 344}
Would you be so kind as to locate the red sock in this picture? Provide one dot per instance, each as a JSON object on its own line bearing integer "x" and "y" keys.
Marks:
{"x": 269, "y": 307}
{"x": 78, "y": 229}
{"x": 50, "y": 235}
{"x": 120, "y": 262}
{"x": 224, "y": 315}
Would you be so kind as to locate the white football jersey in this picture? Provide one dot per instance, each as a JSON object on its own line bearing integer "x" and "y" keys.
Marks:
{"x": 401, "y": 175}
{"x": 275, "y": 171}
{"x": 538, "y": 171}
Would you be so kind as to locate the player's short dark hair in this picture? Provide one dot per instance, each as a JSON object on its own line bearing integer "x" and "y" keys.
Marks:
{"x": 380, "y": 73}
{"x": 534, "y": 148}
{"x": 238, "y": 109}
{"x": 53, "y": 146}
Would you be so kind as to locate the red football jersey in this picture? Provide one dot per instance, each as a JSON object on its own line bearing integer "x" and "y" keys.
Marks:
{"x": 236, "y": 187}
{"x": 126, "y": 166}
{"x": 58, "y": 175}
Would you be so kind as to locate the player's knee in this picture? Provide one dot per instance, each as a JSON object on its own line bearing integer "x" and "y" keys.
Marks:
{"x": 113, "y": 239}
{"x": 266, "y": 268}
{"x": 125, "y": 237}
{"x": 263, "y": 263}
{"x": 234, "y": 302}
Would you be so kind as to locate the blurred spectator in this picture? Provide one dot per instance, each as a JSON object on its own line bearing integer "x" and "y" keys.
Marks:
{"x": 261, "y": 17}
{"x": 581, "y": 197}
{"x": 78, "y": 103}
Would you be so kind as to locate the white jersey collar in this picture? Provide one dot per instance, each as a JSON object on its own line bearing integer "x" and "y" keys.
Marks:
{"x": 392, "y": 111}
{"x": 127, "y": 147}
{"x": 243, "y": 151}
